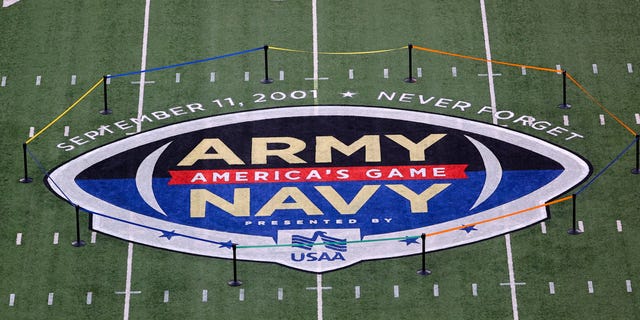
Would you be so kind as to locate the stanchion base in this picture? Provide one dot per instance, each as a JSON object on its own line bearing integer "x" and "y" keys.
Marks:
{"x": 105, "y": 112}
{"x": 424, "y": 272}
{"x": 78, "y": 243}
{"x": 574, "y": 232}
{"x": 564, "y": 106}
{"x": 267, "y": 80}
{"x": 235, "y": 283}
{"x": 635, "y": 171}
{"x": 26, "y": 180}
{"x": 410, "y": 80}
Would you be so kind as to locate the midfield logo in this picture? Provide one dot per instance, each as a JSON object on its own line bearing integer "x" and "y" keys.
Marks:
{"x": 294, "y": 185}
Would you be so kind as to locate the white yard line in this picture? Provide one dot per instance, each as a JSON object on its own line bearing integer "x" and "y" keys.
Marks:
{"x": 127, "y": 286}
{"x": 143, "y": 63}
{"x": 319, "y": 287}
{"x": 314, "y": 18}
{"x": 487, "y": 47}
{"x": 512, "y": 277}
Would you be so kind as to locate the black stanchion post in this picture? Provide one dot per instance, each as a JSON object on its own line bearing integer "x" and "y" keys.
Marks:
{"x": 424, "y": 271}
{"x": 564, "y": 104}
{"x": 78, "y": 242}
{"x": 26, "y": 178}
{"x": 235, "y": 282}
{"x": 636, "y": 170}
{"x": 410, "y": 79}
{"x": 106, "y": 110}
{"x": 266, "y": 79}
{"x": 574, "y": 230}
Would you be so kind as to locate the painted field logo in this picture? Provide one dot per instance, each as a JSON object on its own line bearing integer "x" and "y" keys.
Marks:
{"x": 316, "y": 188}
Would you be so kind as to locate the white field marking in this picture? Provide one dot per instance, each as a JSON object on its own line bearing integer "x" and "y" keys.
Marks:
{"x": 19, "y": 238}
{"x": 436, "y": 290}
{"x": 166, "y": 296}
{"x": 419, "y": 72}
{"x": 6, "y": 3}
{"x": 66, "y": 131}
{"x": 580, "y": 225}
{"x": 590, "y": 286}
{"x": 108, "y": 79}
{"x": 317, "y": 79}
{"x": 127, "y": 287}
{"x": 512, "y": 277}
{"x": 486, "y": 74}
{"x": 357, "y": 292}
{"x": 543, "y": 227}
{"x": 50, "y": 299}
{"x": 524, "y": 71}
{"x": 32, "y": 131}
{"x": 559, "y": 68}
{"x": 454, "y": 71}
{"x": 143, "y": 66}
{"x": 146, "y": 82}
{"x": 93, "y": 236}
{"x": 38, "y": 80}
{"x": 212, "y": 77}
{"x": 350, "y": 74}
{"x": 4, "y": 81}
{"x": 629, "y": 289}
{"x": 474, "y": 289}
{"x": 629, "y": 68}
{"x": 552, "y": 288}
{"x": 73, "y": 80}
{"x": 205, "y": 295}
{"x": 281, "y": 78}
{"x": 619, "y": 225}
{"x": 241, "y": 295}
{"x": 385, "y": 73}
{"x": 565, "y": 120}
{"x": 177, "y": 77}
{"x": 56, "y": 236}
{"x": 396, "y": 291}
{"x": 280, "y": 294}
{"x": 602, "y": 119}
{"x": 637, "y": 118}
{"x": 595, "y": 68}
{"x": 246, "y": 76}
{"x": 316, "y": 73}
{"x": 89, "y": 297}
{"x": 12, "y": 299}
{"x": 487, "y": 47}
{"x": 319, "y": 278}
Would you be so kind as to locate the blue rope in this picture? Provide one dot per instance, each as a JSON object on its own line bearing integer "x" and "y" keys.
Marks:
{"x": 608, "y": 166}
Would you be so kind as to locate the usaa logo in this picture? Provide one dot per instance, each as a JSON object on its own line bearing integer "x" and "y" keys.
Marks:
{"x": 294, "y": 185}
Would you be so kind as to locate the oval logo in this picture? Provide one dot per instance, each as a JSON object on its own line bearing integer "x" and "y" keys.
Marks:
{"x": 318, "y": 188}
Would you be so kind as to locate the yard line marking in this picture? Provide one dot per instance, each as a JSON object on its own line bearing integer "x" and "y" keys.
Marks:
{"x": 595, "y": 68}
{"x": 177, "y": 77}
{"x": 357, "y": 289}
{"x": 350, "y": 74}
{"x": 212, "y": 77}
{"x": 637, "y": 118}
{"x": 4, "y": 81}
{"x": 66, "y": 131}
{"x": 32, "y": 131}
{"x": 385, "y": 73}
{"x": 280, "y": 294}
{"x": 629, "y": 289}
{"x": 565, "y": 120}
{"x": 602, "y": 119}
{"x": 552, "y": 288}
{"x": 487, "y": 47}
{"x": 590, "y": 286}
{"x": 281, "y": 75}
{"x": 486, "y": 74}
{"x": 454, "y": 71}
{"x": 241, "y": 296}
{"x": 246, "y": 76}
{"x": 166, "y": 296}
{"x": 93, "y": 236}
{"x": 629, "y": 68}
{"x": 559, "y": 68}
{"x": 127, "y": 287}
{"x": 316, "y": 74}
{"x": 146, "y": 82}
{"x": 396, "y": 291}
{"x": 12, "y": 299}
{"x": 512, "y": 277}
{"x": 55, "y": 237}
{"x": 619, "y": 225}
{"x": 316, "y": 79}
{"x": 524, "y": 71}
{"x": 89, "y": 297}
{"x": 436, "y": 290}
{"x": 73, "y": 80}
{"x": 143, "y": 66}
{"x": 50, "y": 299}
{"x": 38, "y": 80}
{"x": 419, "y": 72}
{"x": 19, "y": 238}
{"x": 474, "y": 289}
{"x": 580, "y": 225}
{"x": 205, "y": 295}
{"x": 543, "y": 227}
{"x": 319, "y": 288}
{"x": 108, "y": 79}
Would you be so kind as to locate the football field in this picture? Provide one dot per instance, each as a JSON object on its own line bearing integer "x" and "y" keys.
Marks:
{"x": 162, "y": 66}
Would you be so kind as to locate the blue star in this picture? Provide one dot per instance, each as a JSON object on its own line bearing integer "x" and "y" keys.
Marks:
{"x": 410, "y": 240}
{"x": 168, "y": 234}
{"x": 227, "y": 244}
{"x": 468, "y": 229}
